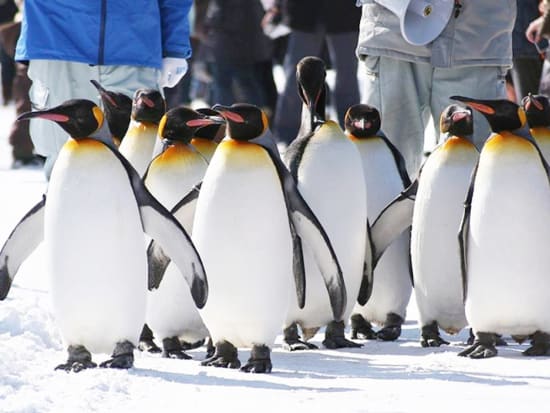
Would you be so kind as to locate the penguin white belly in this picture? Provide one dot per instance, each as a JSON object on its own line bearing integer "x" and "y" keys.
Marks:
{"x": 241, "y": 231}
{"x": 392, "y": 284}
{"x": 94, "y": 242}
{"x": 171, "y": 310}
{"x": 330, "y": 178}
{"x": 138, "y": 145}
{"x": 508, "y": 260}
{"x": 434, "y": 237}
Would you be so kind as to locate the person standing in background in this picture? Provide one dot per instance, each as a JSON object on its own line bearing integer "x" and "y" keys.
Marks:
{"x": 312, "y": 23}
{"x": 527, "y": 62}
{"x": 409, "y": 83}
{"x": 124, "y": 45}
{"x": 538, "y": 30}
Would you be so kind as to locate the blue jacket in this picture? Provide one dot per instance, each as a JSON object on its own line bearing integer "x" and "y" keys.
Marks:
{"x": 105, "y": 32}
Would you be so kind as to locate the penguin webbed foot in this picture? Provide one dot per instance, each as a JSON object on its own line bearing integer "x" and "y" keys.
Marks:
{"x": 147, "y": 342}
{"x": 185, "y": 345}
{"x": 225, "y": 355}
{"x": 482, "y": 347}
{"x": 430, "y": 336}
{"x": 540, "y": 345}
{"x": 173, "y": 349}
{"x": 361, "y": 328}
{"x": 76, "y": 366}
{"x": 392, "y": 328}
{"x": 79, "y": 359}
{"x": 335, "y": 338}
{"x": 293, "y": 342}
{"x": 122, "y": 357}
{"x": 259, "y": 361}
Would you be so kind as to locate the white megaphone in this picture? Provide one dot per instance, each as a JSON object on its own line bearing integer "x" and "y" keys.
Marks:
{"x": 421, "y": 21}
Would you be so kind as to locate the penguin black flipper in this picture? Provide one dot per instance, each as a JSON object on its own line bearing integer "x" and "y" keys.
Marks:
{"x": 463, "y": 234}
{"x": 399, "y": 161}
{"x": 395, "y": 218}
{"x": 157, "y": 260}
{"x": 161, "y": 225}
{"x": 367, "y": 282}
{"x": 309, "y": 229}
{"x": 23, "y": 240}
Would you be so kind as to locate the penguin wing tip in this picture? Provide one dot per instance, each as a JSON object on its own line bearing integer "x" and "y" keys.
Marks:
{"x": 5, "y": 282}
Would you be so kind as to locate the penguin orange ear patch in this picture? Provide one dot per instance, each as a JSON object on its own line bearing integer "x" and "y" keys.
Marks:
{"x": 482, "y": 108}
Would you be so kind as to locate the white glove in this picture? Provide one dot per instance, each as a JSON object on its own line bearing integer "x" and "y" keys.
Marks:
{"x": 173, "y": 69}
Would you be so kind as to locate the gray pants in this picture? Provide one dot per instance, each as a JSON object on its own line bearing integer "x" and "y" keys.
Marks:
{"x": 55, "y": 81}
{"x": 341, "y": 48}
{"x": 407, "y": 93}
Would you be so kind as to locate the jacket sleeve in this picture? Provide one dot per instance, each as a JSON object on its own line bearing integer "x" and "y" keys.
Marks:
{"x": 174, "y": 15}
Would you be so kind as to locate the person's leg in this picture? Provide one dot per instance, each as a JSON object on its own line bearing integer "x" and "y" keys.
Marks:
{"x": 222, "y": 83}
{"x": 400, "y": 91}
{"x": 480, "y": 82}
{"x": 54, "y": 82}
{"x": 341, "y": 47}
{"x": 526, "y": 76}
{"x": 22, "y": 147}
{"x": 289, "y": 106}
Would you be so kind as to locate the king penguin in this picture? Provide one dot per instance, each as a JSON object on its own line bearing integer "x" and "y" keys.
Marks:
{"x": 206, "y": 139}
{"x": 505, "y": 232}
{"x": 385, "y": 176}
{"x": 92, "y": 223}
{"x": 250, "y": 225}
{"x": 537, "y": 109}
{"x": 327, "y": 167}
{"x": 138, "y": 144}
{"x": 171, "y": 177}
{"x": 117, "y": 108}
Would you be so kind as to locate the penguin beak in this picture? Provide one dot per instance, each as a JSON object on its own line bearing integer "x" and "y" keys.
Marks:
{"x": 145, "y": 100}
{"x": 228, "y": 114}
{"x": 103, "y": 93}
{"x": 459, "y": 115}
{"x": 210, "y": 120}
{"x": 44, "y": 114}
{"x": 483, "y": 108}
{"x": 362, "y": 124}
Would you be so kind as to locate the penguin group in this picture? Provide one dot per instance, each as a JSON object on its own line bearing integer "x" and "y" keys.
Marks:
{"x": 190, "y": 223}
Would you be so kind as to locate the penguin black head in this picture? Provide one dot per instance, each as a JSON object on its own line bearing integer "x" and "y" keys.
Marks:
{"x": 537, "y": 110}
{"x": 181, "y": 123}
{"x": 362, "y": 121}
{"x": 244, "y": 121}
{"x": 502, "y": 114}
{"x": 212, "y": 132}
{"x": 310, "y": 76}
{"x": 457, "y": 120}
{"x": 78, "y": 117}
{"x": 117, "y": 108}
{"x": 148, "y": 106}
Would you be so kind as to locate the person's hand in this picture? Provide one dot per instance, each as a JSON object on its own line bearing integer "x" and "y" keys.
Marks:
{"x": 173, "y": 69}
{"x": 533, "y": 31}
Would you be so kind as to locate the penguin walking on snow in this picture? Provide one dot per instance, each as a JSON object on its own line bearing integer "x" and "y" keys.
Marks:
{"x": 505, "y": 235}
{"x": 92, "y": 222}
{"x": 250, "y": 226}
{"x": 385, "y": 175}
{"x": 328, "y": 170}
{"x": 172, "y": 176}
{"x": 537, "y": 109}
{"x": 433, "y": 207}
{"x": 139, "y": 142}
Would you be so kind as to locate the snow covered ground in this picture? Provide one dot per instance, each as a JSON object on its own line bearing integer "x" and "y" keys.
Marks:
{"x": 379, "y": 377}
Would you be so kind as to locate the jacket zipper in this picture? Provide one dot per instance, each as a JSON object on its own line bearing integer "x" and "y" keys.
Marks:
{"x": 101, "y": 48}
